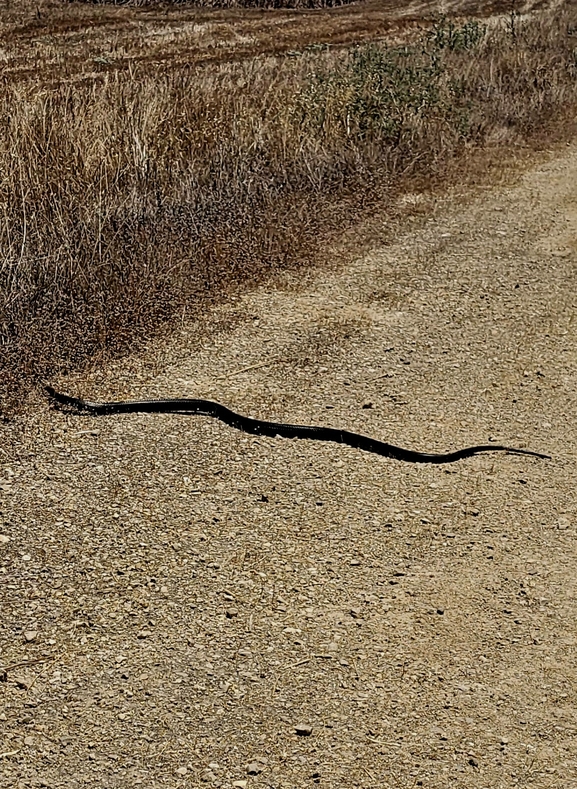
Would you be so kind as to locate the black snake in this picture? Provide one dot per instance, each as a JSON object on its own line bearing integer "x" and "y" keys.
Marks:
{"x": 259, "y": 427}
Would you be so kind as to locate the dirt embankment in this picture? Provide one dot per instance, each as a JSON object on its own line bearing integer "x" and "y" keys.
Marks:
{"x": 185, "y": 605}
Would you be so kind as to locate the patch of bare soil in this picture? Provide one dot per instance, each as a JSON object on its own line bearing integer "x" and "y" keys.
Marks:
{"x": 185, "y": 605}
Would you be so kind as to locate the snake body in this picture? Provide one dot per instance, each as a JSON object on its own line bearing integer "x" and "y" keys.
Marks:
{"x": 260, "y": 427}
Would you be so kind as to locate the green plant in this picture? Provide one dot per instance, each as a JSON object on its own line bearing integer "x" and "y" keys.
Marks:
{"x": 445, "y": 34}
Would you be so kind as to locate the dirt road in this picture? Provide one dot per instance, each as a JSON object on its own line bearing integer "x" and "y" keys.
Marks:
{"x": 199, "y": 607}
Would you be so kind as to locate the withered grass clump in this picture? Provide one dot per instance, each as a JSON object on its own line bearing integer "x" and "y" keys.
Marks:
{"x": 127, "y": 200}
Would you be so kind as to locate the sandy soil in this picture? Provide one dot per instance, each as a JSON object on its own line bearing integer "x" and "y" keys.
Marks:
{"x": 185, "y": 605}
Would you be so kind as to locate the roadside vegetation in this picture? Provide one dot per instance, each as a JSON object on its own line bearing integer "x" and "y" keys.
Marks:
{"x": 134, "y": 199}
{"x": 223, "y": 3}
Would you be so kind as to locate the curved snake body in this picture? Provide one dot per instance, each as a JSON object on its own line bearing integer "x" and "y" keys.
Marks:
{"x": 260, "y": 427}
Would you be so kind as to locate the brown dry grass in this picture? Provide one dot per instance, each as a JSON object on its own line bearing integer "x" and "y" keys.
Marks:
{"x": 274, "y": 4}
{"x": 51, "y": 41}
{"x": 128, "y": 200}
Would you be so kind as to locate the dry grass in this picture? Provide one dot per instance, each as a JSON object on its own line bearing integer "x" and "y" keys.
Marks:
{"x": 223, "y": 3}
{"x": 52, "y": 41}
{"x": 128, "y": 200}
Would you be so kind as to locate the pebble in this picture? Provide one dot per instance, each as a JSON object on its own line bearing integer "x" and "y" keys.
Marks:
{"x": 28, "y": 740}
{"x": 240, "y": 784}
{"x": 30, "y": 635}
{"x": 254, "y": 768}
{"x": 563, "y": 522}
{"x": 182, "y": 771}
{"x": 4, "y": 539}
{"x": 303, "y": 730}
{"x": 231, "y": 612}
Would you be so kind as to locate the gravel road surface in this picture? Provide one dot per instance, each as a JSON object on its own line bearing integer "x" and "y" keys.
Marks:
{"x": 185, "y": 605}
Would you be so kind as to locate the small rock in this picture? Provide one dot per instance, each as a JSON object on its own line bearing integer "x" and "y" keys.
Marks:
{"x": 182, "y": 771}
{"x": 240, "y": 784}
{"x": 355, "y": 612}
{"x": 26, "y": 557}
{"x": 355, "y": 563}
{"x": 473, "y": 762}
{"x": 143, "y": 634}
{"x": 4, "y": 539}
{"x": 563, "y": 522}
{"x": 254, "y": 768}
{"x": 164, "y": 589}
{"x": 28, "y": 740}
{"x": 214, "y": 766}
{"x": 367, "y": 405}
{"x": 30, "y": 635}
{"x": 231, "y": 612}
{"x": 303, "y": 730}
